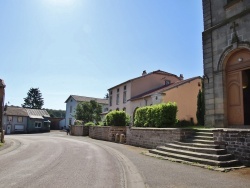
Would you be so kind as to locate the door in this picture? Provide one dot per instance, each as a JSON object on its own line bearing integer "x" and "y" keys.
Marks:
{"x": 235, "y": 105}
{"x": 8, "y": 129}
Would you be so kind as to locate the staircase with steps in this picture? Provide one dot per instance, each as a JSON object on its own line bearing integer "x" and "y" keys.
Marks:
{"x": 199, "y": 148}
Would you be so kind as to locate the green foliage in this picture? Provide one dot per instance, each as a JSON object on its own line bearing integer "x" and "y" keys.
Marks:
{"x": 78, "y": 122}
{"x": 200, "y": 113}
{"x": 117, "y": 118}
{"x": 90, "y": 124}
{"x": 160, "y": 115}
{"x": 34, "y": 99}
{"x": 88, "y": 111}
{"x": 56, "y": 113}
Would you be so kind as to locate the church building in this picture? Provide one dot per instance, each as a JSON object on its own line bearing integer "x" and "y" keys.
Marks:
{"x": 226, "y": 61}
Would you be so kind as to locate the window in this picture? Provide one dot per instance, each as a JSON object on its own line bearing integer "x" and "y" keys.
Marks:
{"x": 70, "y": 121}
{"x": 124, "y": 109}
{"x": 167, "y": 82}
{"x": 117, "y": 109}
{"x": 10, "y": 118}
{"x": 117, "y": 97}
{"x": 124, "y": 94}
{"x": 19, "y": 119}
{"x": 38, "y": 124}
{"x": 110, "y": 98}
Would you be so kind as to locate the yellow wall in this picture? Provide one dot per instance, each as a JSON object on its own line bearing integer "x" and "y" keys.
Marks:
{"x": 186, "y": 98}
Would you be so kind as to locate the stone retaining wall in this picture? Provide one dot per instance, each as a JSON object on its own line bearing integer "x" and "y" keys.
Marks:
{"x": 237, "y": 142}
{"x": 79, "y": 130}
{"x": 153, "y": 137}
{"x": 105, "y": 133}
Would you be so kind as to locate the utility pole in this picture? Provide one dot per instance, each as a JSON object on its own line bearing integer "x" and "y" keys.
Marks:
{"x": 2, "y": 86}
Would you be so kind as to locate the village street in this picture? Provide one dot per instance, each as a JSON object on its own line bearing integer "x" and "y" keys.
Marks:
{"x": 58, "y": 160}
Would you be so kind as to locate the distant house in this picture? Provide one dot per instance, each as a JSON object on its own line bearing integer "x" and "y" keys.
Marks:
{"x": 72, "y": 102}
{"x": 55, "y": 123}
{"x": 25, "y": 120}
{"x": 156, "y": 87}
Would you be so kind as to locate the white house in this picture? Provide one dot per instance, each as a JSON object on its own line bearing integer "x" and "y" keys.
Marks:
{"x": 74, "y": 100}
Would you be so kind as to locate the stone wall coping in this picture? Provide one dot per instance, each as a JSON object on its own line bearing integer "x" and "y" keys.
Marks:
{"x": 233, "y": 130}
{"x": 159, "y": 129}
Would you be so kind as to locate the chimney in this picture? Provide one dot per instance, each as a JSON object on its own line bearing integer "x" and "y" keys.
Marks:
{"x": 181, "y": 77}
{"x": 144, "y": 72}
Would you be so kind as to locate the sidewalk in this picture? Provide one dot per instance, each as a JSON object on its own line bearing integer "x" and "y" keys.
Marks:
{"x": 6, "y": 144}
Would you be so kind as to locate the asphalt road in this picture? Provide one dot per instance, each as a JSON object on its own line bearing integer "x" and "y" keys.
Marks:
{"x": 57, "y": 160}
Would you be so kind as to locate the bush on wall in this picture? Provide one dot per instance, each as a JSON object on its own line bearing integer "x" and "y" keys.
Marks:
{"x": 117, "y": 118}
{"x": 159, "y": 115}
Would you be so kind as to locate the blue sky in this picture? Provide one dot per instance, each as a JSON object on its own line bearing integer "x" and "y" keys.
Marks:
{"x": 84, "y": 47}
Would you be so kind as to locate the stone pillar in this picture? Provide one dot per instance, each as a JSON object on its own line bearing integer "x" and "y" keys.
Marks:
{"x": 2, "y": 86}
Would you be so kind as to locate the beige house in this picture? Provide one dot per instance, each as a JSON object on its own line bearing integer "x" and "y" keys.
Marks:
{"x": 183, "y": 92}
{"x": 155, "y": 87}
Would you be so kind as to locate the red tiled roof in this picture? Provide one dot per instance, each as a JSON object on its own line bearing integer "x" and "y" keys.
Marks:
{"x": 87, "y": 99}
{"x": 154, "y": 72}
{"x": 163, "y": 88}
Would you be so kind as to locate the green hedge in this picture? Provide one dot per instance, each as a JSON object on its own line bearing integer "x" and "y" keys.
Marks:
{"x": 117, "y": 118}
{"x": 159, "y": 115}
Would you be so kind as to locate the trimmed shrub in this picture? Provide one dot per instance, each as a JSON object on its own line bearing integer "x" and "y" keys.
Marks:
{"x": 117, "y": 118}
{"x": 78, "y": 122}
{"x": 90, "y": 124}
{"x": 159, "y": 115}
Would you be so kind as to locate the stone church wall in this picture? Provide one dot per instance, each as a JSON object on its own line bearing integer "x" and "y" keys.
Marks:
{"x": 218, "y": 17}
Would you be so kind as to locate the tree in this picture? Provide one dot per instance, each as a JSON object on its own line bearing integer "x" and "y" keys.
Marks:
{"x": 56, "y": 113}
{"x": 34, "y": 99}
{"x": 88, "y": 111}
{"x": 106, "y": 96}
{"x": 200, "y": 108}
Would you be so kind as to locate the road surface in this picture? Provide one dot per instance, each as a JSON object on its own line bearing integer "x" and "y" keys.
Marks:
{"x": 57, "y": 160}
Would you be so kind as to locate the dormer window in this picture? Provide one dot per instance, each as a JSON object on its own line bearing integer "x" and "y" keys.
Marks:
{"x": 167, "y": 82}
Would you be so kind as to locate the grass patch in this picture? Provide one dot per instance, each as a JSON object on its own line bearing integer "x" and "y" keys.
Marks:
{"x": 1, "y": 144}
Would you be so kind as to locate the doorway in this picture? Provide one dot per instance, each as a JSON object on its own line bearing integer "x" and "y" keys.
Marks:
{"x": 246, "y": 95}
{"x": 238, "y": 88}
{"x": 8, "y": 129}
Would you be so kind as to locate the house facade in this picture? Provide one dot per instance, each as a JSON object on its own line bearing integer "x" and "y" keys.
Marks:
{"x": 72, "y": 102}
{"x": 183, "y": 93}
{"x": 226, "y": 60}
{"x": 120, "y": 95}
{"x": 24, "y": 120}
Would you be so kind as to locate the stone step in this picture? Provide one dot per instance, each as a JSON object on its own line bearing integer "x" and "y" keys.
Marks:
{"x": 204, "y": 134}
{"x": 200, "y": 145}
{"x": 204, "y": 130}
{"x": 223, "y": 157}
{"x": 202, "y": 137}
{"x": 200, "y": 141}
{"x": 195, "y": 159}
{"x": 198, "y": 149}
